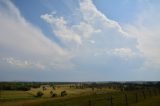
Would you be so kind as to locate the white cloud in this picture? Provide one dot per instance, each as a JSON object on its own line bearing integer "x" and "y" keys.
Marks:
{"x": 96, "y": 18}
{"x": 92, "y": 41}
{"x": 61, "y": 30}
{"x": 16, "y": 62}
{"x": 93, "y": 27}
{"x": 123, "y": 52}
{"x": 23, "y": 63}
{"x": 93, "y": 22}
{"x": 20, "y": 39}
{"x": 146, "y": 31}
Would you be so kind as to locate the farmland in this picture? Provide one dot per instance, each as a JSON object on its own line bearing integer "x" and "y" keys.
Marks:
{"x": 79, "y": 95}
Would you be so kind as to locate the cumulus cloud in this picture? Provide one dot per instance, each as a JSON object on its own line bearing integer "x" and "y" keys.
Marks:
{"x": 93, "y": 34}
{"x": 123, "y": 52}
{"x": 16, "y": 62}
{"x": 20, "y": 39}
{"x": 23, "y": 63}
{"x": 92, "y": 28}
{"x": 96, "y": 18}
{"x": 94, "y": 42}
{"x": 146, "y": 31}
{"x": 92, "y": 22}
{"x": 61, "y": 29}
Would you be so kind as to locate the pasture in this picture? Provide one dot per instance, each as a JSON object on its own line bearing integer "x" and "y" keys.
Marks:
{"x": 71, "y": 91}
{"x": 15, "y": 98}
{"x": 77, "y": 96}
{"x": 13, "y": 95}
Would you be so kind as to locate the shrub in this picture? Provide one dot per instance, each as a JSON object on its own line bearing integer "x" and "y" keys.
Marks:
{"x": 51, "y": 92}
{"x": 39, "y": 94}
{"x": 54, "y": 95}
{"x": 53, "y": 87}
{"x": 63, "y": 93}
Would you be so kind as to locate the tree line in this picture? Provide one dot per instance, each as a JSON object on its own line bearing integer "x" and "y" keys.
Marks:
{"x": 24, "y": 86}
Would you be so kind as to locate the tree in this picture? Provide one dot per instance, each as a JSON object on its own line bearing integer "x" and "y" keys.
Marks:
{"x": 63, "y": 93}
{"x": 39, "y": 94}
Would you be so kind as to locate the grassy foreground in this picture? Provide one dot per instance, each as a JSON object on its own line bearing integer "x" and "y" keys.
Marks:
{"x": 80, "y": 97}
{"x": 83, "y": 100}
{"x": 154, "y": 101}
{"x": 74, "y": 97}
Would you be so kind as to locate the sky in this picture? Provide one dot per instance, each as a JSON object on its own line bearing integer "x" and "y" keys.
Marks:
{"x": 79, "y": 40}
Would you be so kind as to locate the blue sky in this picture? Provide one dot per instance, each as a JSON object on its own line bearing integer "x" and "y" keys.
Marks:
{"x": 79, "y": 40}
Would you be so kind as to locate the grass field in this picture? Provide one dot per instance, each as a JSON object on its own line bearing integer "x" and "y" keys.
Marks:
{"x": 19, "y": 98}
{"x": 12, "y": 95}
{"x": 76, "y": 97}
{"x": 70, "y": 91}
{"x": 154, "y": 101}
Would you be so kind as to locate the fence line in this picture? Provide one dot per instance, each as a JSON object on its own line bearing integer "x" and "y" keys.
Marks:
{"x": 137, "y": 97}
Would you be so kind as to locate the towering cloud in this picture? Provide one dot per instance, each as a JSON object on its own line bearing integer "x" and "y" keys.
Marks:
{"x": 21, "y": 40}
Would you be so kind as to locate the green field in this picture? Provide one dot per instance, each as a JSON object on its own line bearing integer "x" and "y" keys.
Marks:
{"x": 19, "y": 98}
{"x": 75, "y": 97}
{"x": 13, "y": 95}
{"x": 154, "y": 101}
